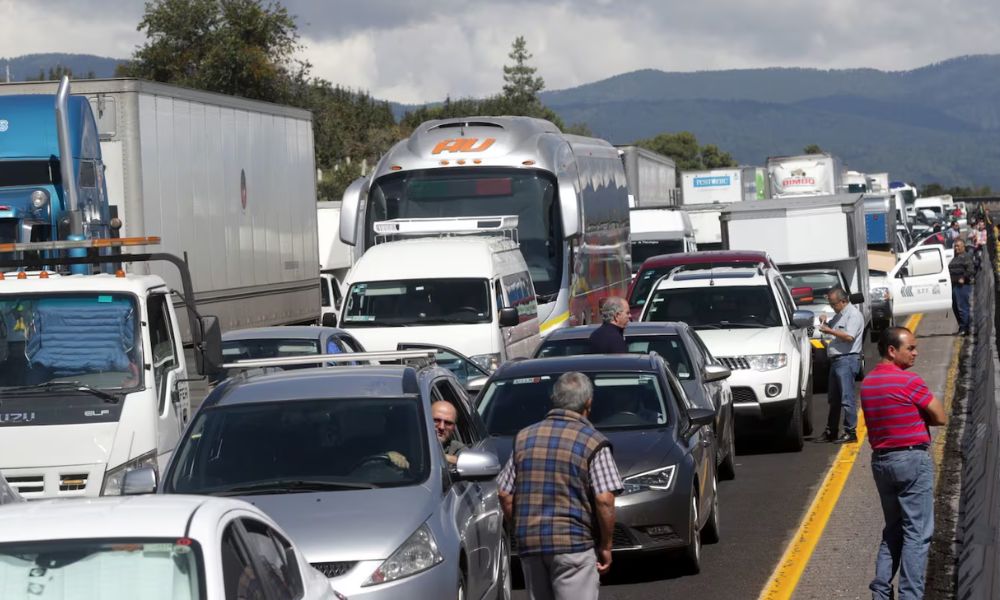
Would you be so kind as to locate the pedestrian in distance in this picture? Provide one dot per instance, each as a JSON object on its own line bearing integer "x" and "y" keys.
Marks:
{"x": 846, "y": 330}
{"x": 898, "y": 409}
{"x": 558, "y": 490}
{"x": 962, "y": 270}
{"x": 951, "y": 235}
{"x": 609, "y": 338}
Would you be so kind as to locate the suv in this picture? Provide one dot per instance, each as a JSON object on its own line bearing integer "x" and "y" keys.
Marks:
{"x": 748, "y": 320}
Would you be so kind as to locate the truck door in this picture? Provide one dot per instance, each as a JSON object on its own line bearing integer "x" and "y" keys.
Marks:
{"x": 172, "y": 395}
{"x": 920, "y": 282}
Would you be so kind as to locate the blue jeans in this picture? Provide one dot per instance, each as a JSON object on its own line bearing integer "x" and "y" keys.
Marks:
{"x": 960, "y": 295}
{"x": 840, "y": 393}
{"x": 905, "y": 482}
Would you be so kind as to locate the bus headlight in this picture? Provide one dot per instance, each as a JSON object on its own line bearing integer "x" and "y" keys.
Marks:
{"x": 114, "y": 478}
{"x": 39, "y": 199}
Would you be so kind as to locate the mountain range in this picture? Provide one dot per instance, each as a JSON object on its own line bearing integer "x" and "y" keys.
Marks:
{"x": 21, "y": 68}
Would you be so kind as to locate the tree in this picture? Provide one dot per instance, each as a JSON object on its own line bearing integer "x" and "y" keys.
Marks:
{"x": 239, "y": 47}
{"x": 936, "y": 189}
{"x": 521, "y": 85}
{"x": 812, "y": 149}
{"x": 56, "y": 73}
{"x": 713, "y": 158}
{"x": 682, "y": 147}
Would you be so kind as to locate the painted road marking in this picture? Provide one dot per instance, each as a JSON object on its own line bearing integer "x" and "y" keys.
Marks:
{"x": 786, "y": 575}
{"x": 937, "y": 450}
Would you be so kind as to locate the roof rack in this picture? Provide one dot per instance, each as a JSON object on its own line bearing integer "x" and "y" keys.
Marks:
{"x": 410, "y": 357}
{"x": 505, "y": 225}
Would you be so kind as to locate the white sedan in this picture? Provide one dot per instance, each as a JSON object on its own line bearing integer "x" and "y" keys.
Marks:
{"x": 150, "y": 547}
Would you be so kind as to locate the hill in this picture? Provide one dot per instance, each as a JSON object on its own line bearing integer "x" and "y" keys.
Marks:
{"x": 29, "y": 65}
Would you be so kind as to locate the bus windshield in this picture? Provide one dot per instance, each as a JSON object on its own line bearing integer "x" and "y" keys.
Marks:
{"x": 476, "y": 192}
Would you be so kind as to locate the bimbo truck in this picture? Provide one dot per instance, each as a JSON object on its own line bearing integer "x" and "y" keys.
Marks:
{"x": 568, "y": 193}
{"x": 93, "y": 378}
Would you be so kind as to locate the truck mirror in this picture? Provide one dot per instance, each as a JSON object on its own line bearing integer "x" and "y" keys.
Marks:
{"x": 508, "y": 317}
{"x": 568, "y": 209}
{"x": 350, "y": 207}
{"x": 329, "y": 320}
{"x": 208, "y": 352}
{"x": 857, "y": 298}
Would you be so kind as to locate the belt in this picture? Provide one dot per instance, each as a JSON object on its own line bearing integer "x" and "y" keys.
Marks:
{"x": 881, "y": 451}
{"x": 845, "y": 355}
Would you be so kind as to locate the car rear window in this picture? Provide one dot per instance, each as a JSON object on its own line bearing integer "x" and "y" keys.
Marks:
{"x": 669, "y": 347}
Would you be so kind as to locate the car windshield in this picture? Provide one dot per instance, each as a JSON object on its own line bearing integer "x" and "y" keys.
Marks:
{"x": 669, "y": 347}
{"x": 337, "y": 443}
{"x": 621, "y": 401}
{"x": 480, "y": 192}
{"x": 644, "y": 283}
{"x": 716, "y": 306}
{"x": 643, "y": 249}
{"x": 167, "y": 569}
{"x": 810, "y": 289}
{"x": 417, "y": 302}
{"x": 88, "y": 340}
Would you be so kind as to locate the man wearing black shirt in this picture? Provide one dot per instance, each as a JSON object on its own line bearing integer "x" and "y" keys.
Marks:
{"x": 609, "y": 338}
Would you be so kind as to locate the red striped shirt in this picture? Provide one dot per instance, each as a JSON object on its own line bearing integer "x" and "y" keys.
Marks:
{"x": 890, "y": 399}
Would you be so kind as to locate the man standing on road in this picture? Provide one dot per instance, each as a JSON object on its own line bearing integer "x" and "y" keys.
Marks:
{"x": 558, "y": 489}
{"x": 609, "y": 338}
{"x": 898, "y": 409}
{"x": 846, "y": 329}
{"x": 961, "y": 270}
{"x": 951, "y": 235}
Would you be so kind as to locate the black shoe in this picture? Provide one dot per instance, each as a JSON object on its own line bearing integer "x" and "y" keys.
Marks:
{"x": 825, "y": 437}
{"x": 847, "y": 438}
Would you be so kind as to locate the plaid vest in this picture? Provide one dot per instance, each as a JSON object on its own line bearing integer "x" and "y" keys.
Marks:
{"x": 553, "y": 507}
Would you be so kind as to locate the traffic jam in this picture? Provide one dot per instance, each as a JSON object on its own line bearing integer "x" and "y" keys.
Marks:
{"x": 231, "y": 396}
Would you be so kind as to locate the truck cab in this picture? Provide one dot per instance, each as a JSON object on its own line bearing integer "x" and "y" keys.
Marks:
{"x": 656, "y": 231}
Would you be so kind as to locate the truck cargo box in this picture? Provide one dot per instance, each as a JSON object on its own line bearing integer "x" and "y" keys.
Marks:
{"x": 805, "y": 175}
{"x": 880, "y": 220}
{"x": 719, "y": 186}
{"x": 651, "y": 178}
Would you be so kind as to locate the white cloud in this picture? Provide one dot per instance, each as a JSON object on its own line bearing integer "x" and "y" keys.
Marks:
{"x": 30, "y": 27}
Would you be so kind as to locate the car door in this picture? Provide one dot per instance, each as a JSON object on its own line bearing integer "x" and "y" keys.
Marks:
{"x": 172, "y": 393}
{"x": 470, "y": 375}
{"x": 275, "y": 557}
{"x": 920, "y": 281}
{"x": 699, "y": 442}
{"x": 242, "y": 578}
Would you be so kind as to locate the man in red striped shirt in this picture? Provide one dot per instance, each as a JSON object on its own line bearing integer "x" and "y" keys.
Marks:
{"x": 898, "y": 410}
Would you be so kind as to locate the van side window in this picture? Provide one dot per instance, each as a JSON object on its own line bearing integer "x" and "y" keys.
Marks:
{"x": 161, "y": 341}
{"x": 519, "y": 293}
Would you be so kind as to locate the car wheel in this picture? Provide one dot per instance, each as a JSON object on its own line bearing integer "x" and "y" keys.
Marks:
{"x": 692, "y": 552}
{"x": 461, "y": 585}
{"x": 727, "y": 468}
{"x": 504, "y": 581}
{"x": 793, "y": 431}
{"x": 807, "y": 422}
{"x": 711, "y": 532}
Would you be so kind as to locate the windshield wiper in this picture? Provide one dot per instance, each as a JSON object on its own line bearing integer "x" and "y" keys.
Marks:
{"x": 705, "y": 326}
{"x": 75, "y": 386}
{"x": 741, "y": 324}
{"x": 295, "y": 485}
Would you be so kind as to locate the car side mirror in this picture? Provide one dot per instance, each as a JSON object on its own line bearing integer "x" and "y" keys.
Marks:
{"x": 208, "y": 352}
{"x": 508, "y": 317}
{"x": 476, "y": 465}
{"x": 857, "y": 298}
{"x": 802, "y": 319}
{"x": 329, "y": 320}
{"x": 701, "y": 416}
{"x": 475, "y": 385}
{"x": 716, "y": 373}
{"x": 139, "y": 481}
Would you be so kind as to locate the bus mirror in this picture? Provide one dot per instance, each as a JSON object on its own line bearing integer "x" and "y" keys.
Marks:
{"x": 350, "y": 206}
{"x": 569, "y": 208}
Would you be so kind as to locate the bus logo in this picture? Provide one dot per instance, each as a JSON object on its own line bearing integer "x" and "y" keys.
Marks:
{"x": 462, "y": 145}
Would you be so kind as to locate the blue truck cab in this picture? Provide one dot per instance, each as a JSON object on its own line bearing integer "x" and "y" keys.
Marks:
{"x": 33, "y": 197}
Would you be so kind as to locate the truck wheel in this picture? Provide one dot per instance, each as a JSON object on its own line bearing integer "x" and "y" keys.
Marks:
{"x": 793, "y": 441}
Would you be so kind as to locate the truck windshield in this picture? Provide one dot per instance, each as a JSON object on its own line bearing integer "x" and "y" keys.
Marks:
{"x": 476, "y": 192}
{"x": 417, "y": 302}
{"x": 312, "y": 445}
{"x": 811, "y": 288}
{"x": 643, "y": 249}
{"x": 718, "y": 307}
{"x": 88, "y": 339}
{"x": 29, "y": 172}
{"x": 170, "y": 569}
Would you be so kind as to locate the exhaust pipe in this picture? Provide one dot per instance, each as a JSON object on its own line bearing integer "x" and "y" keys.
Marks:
{"x": 66, "y": 159}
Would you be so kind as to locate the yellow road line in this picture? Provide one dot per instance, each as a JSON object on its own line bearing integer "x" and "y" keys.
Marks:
{"x": 937, "y": 451}
{"x": 786, "y": 575}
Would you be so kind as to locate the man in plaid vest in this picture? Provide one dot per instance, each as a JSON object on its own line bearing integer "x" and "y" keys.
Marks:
{"x": 559, "y": 489}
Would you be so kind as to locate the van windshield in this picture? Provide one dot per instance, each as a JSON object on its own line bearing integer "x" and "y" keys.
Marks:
{"x": 643, "y": 249}
{"x": 417, "y": 302}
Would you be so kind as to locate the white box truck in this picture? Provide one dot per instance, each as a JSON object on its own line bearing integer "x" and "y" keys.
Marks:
{"x": 227, "y": 183}
{"x": 805, "y": 175}
{"x": 651, "y": 178}
{"x": 335, "y": 259}
{"x": 655, "y": 231}
{"x": 719, "y": 186}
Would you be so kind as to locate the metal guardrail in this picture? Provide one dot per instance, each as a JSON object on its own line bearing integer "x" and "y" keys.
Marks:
{"x": 978, "y": 532}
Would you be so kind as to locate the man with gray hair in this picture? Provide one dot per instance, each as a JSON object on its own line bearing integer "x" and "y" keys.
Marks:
{"x": 609, "y": 338}
{"x": 845, "y": 341}
{"x": 558, "y": 489}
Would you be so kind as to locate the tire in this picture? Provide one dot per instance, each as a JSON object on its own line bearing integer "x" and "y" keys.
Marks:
{"x": 692, "y": 552}
{"x": 807, "y": 422}
{"x": 710, "y": 534}
{"x": 727, "y": 468}
{"x": 504, "y": 577}
{"x": 460, "y": 592}
{"x": 793, "y": 440}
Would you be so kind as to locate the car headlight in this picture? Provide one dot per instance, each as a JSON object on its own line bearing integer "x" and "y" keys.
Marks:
{"x": 114, "y": 478}
{"x": 418, "y": 553}
{"x": 657, "y": 479}
{"x": 488, "y": 362}
{"x": 880, "y": 293}
{"x": 767, "y": 362}
{"x": 39, "y": 198}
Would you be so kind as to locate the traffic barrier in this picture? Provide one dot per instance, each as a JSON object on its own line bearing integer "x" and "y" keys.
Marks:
{"x": 978, "y": 534}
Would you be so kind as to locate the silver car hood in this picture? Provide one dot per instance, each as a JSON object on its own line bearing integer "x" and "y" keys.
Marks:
{"x": 350, "y": 525}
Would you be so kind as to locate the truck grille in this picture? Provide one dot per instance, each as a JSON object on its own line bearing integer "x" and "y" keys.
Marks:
{"x": 734, "y": 363}
{"x": 744, "y": 395}
{"x": 27, "y": 484}
{"x": 335, "y": 569}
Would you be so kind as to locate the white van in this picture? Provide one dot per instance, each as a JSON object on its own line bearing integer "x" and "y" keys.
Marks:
{"x": 932, "y": 203}
{"x": 436, "y": 282}
{"x": 656, "y": 231}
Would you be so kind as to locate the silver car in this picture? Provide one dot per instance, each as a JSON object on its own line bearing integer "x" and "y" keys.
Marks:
{"x": 347, "y": 461}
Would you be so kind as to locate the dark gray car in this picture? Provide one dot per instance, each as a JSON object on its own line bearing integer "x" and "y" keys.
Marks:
{"x": 662, "y": 442}
{"x": 702, "y": 377}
